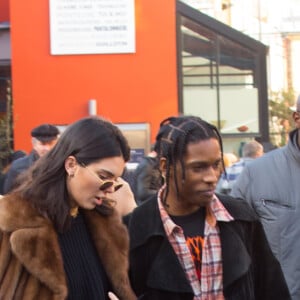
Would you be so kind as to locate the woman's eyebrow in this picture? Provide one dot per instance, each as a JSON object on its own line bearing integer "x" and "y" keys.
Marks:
{"x": 106, "y": 173}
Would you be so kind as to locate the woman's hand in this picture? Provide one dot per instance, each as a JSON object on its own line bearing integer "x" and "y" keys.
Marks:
{"x": 124, "y": 198}
{"x": 112, "y": 296}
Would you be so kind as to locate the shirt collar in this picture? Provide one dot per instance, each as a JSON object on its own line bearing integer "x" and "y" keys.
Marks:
{"x": 215, "y": 212}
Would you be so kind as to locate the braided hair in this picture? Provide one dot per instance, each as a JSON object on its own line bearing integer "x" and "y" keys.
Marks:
{"x": 174, "y": 134}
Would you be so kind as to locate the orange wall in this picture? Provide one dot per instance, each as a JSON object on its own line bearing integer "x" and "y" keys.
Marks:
{"x": 139, "y": 87}
{"x": 4, "y": 10}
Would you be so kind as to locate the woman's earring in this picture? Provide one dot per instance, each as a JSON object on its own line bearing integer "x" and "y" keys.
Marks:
{"x": 163, "y": 179}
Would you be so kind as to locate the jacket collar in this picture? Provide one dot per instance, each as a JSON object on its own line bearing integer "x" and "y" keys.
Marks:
{"x": 235, "y": 257}
{"x": 292, "y": 145}
{"x": 142, "y": 227}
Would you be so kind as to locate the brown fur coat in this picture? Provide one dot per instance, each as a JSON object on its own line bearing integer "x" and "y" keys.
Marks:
{"x": 31, "y": 265}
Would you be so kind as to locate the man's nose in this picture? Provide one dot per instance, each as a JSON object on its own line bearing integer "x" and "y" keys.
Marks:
{"x": 211, "y": 175}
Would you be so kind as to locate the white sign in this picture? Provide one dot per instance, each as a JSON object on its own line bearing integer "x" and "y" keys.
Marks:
{"x": 92, "y": 26}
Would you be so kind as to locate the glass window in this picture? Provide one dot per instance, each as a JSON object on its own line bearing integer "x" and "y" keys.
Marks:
{"x": 218, "y": 79}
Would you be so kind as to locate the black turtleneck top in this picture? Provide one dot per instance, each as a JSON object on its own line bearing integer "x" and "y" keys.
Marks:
{"x": 86, "y": 277}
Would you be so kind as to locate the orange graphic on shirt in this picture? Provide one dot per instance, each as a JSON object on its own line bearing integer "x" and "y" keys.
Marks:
{"x": 195, "y": 245}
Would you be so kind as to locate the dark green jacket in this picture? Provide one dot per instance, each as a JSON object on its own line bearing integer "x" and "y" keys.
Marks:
{"x": 250, "y": 270}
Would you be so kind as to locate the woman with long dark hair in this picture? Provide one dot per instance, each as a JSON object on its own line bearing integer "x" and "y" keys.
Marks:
{"x": 60, "y": 236}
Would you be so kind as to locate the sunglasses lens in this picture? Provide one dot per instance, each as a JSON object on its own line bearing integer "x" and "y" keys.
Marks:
{"x": 106, "y": 185}
{"x": 118, "y": 186}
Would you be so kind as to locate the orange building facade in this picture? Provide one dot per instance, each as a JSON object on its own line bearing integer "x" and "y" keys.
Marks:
{"x": 4, "y": 10}
{"x": 139, "y": 87}
{"x": 184, "y": 62}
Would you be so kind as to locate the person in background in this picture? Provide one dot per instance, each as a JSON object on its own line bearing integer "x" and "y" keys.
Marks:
{"x": 6, "y": 166}
{"x": 61, "y": 237}
{"x": 146, "y": 177}
{"x": 187, "y": 243}
{"x": 251, "y": 150}
{"x": 270, "y": 184}
{"x": 229, "y": 159}
{"x": 43, "y": 138}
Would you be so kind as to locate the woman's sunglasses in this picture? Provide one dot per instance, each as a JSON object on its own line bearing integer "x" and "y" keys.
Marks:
{"x": 104, "y": 184}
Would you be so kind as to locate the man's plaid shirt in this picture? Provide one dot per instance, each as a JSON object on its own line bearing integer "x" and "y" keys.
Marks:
{"x": 211, "y": 286}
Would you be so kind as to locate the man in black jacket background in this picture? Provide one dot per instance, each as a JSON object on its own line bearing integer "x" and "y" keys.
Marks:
{"x": 146, "y": 178}
{"x": 43, "y": 138}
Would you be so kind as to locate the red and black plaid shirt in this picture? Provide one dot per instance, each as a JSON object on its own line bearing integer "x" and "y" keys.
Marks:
{"x": 211, "y": 285}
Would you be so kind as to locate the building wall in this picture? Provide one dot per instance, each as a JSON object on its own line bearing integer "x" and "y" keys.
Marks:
{"x": 4, "y": 10}
{"x": 295, "y": 61}
{"x": 139, "y": 87}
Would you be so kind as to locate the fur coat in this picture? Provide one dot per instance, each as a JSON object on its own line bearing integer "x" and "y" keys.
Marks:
{"x": 31, "y": 265}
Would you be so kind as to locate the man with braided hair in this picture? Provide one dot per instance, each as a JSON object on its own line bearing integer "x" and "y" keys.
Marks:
{"x": 187, "y": 243}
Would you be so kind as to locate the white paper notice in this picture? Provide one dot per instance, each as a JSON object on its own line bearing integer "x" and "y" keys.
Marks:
{"x": 92, "y": 26}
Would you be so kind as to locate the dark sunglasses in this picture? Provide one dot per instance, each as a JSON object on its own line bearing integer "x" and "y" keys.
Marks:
{"x": 104, "y": 184}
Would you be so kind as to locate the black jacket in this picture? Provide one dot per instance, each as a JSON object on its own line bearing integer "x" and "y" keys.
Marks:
{"x": 250, "y": 270}
{"x": 18, "y": 166}
{"x": 146, "y": 179}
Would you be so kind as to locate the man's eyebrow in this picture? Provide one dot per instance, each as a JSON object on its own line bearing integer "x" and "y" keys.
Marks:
{"x": 203, "y": 163}
{"x": 197, "y": 163}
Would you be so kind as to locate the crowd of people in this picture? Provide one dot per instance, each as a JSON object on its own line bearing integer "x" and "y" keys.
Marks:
{"x": 250, "y": 151}
{"x": 187, "y": 228}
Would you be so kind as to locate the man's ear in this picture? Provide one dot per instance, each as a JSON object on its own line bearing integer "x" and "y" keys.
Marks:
{"x": 296, "y": 117}
{"x": 71, "y": 165}
{"x": 163, "y": 166}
